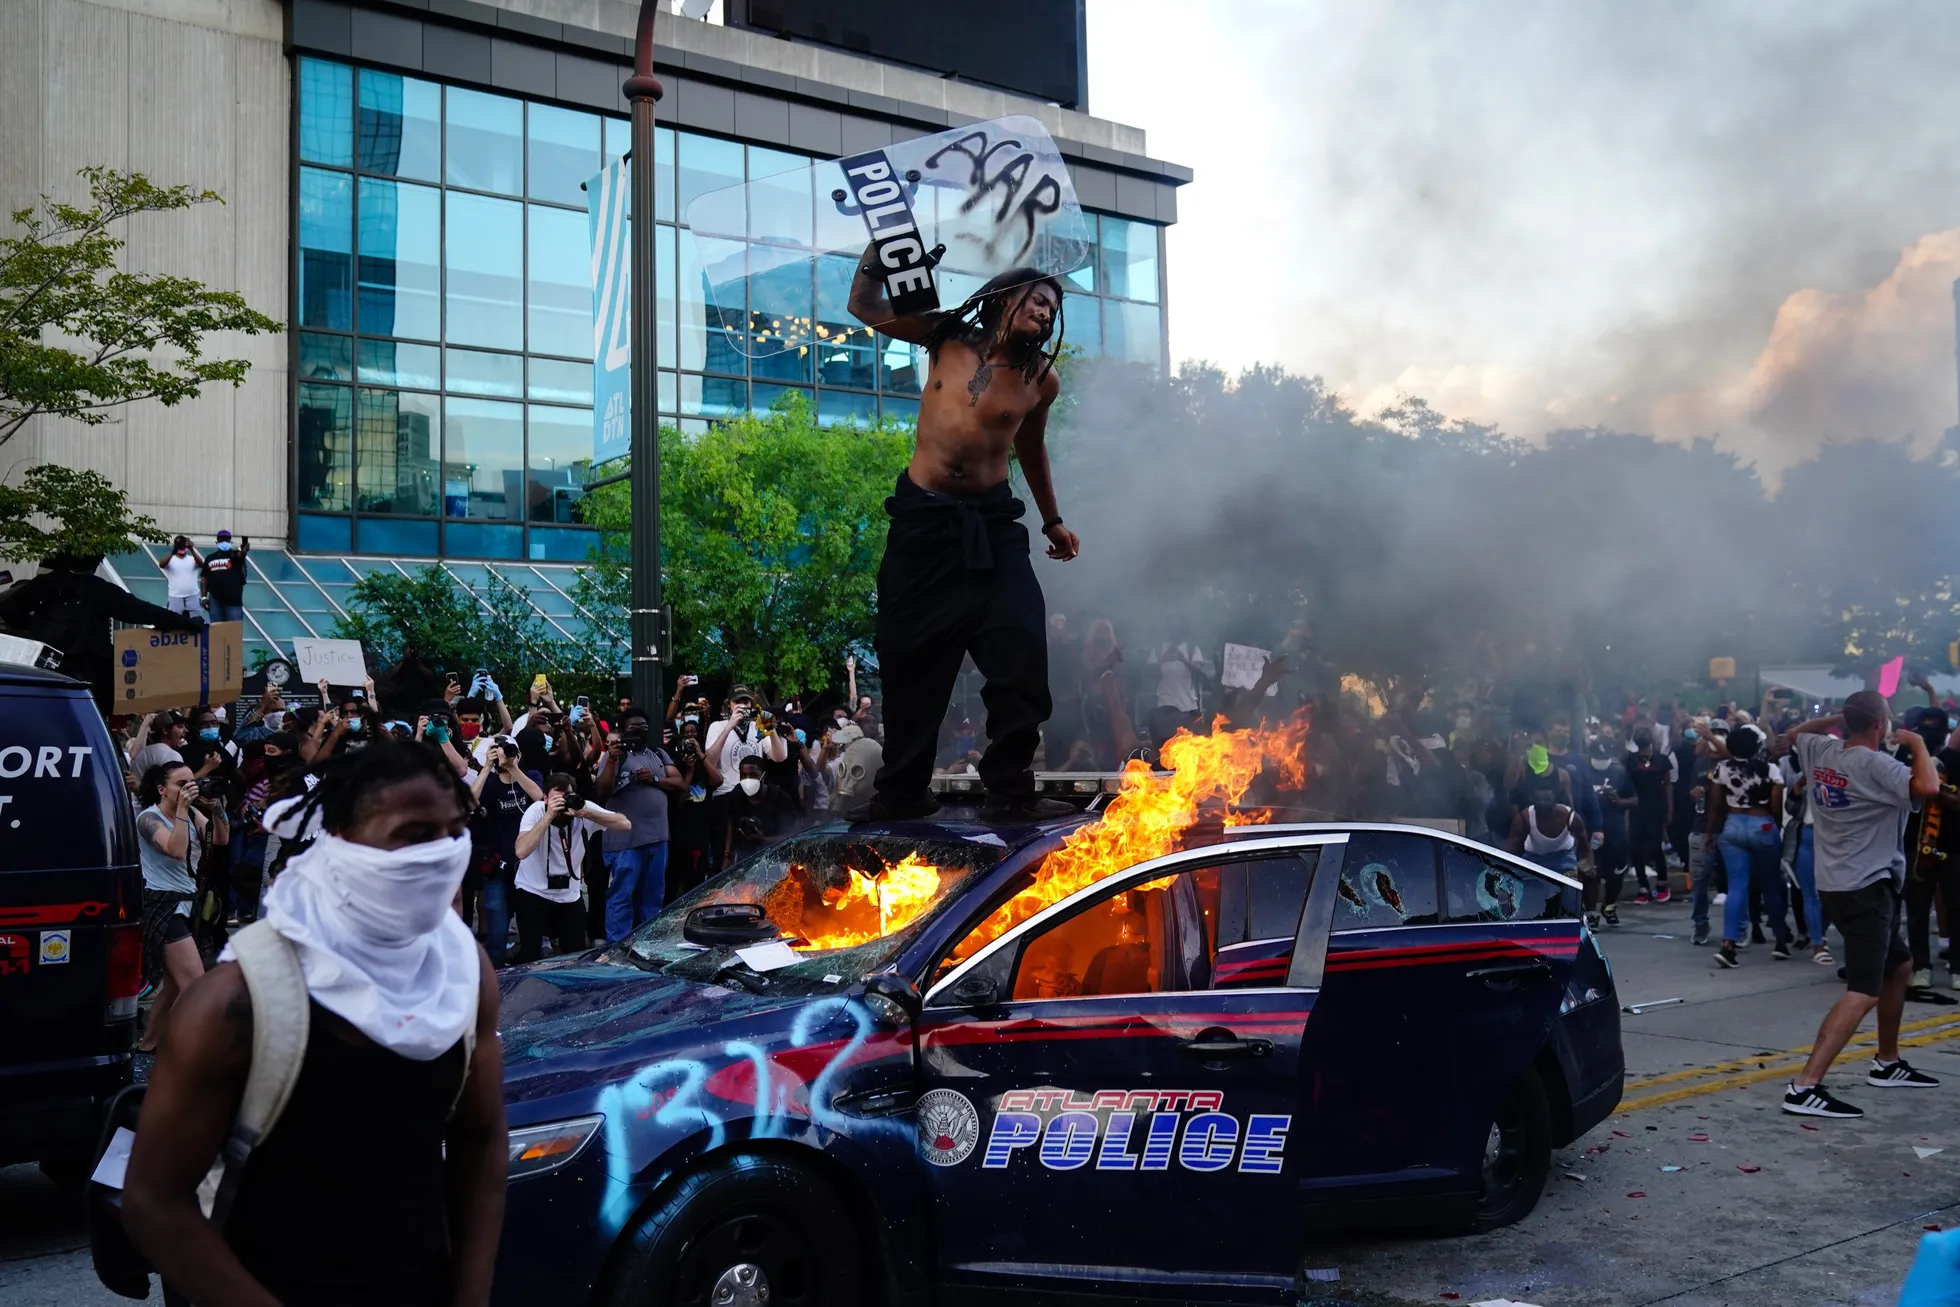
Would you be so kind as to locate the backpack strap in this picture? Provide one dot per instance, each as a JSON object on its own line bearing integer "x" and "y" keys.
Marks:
{"x": 280, "y": 1023}
{"x": 469, "y": 1060}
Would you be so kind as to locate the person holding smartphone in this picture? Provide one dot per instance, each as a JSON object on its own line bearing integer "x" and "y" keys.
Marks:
{"x": 638, "y": 778}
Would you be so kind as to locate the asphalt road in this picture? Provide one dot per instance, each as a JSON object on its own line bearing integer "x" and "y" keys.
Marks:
{"x": 1762, "y": 1210}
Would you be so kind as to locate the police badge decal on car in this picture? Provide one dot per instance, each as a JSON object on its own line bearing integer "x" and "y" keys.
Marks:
{"x": 949, "y": 1128}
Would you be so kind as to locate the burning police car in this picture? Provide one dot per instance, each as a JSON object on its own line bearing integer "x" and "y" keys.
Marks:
{"x": 928, "y": 1061}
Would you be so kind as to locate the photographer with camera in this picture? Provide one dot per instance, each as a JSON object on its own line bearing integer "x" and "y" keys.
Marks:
{"x": 173, "y": 830}
{"x": 550, "y": 848}
{"x": 636, "y": 776}
{"x": 759, "y": 813}
{"x": 741, "y": 733}
{"x": 503, "y": 791}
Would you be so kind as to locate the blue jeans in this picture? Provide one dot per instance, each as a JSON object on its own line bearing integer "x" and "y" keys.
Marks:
{"x": 1805, "y": 867}
{"x": 1750, "y": 846}
{"x": 1565, "y": 861}
{"x": 227, "y": 612}
{"x": 496, "y": 918}
{"x": 638, "y": 886}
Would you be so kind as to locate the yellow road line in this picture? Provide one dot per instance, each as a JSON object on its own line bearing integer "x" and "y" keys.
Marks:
{"x": 1852, "y": 1052}
{"x": 1802, "y": 1054}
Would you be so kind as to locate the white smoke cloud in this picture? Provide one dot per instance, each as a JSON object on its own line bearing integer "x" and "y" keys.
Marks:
{"x": 1682, "y": 217}
{"x": 1840, "y": 368}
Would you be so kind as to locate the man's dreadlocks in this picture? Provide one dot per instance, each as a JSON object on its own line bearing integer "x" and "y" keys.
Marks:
{"x": 353, "y": 781}
{"x": 981, "y": 323}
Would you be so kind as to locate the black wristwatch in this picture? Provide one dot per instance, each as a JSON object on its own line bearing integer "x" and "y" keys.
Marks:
{"x": 1050, "y": 525}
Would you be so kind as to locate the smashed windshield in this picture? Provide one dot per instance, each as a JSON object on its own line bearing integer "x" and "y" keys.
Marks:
{"x": 844, "y": 904}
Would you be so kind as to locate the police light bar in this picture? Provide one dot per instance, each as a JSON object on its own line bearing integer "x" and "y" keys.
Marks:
{"x": 1061, "y": 785}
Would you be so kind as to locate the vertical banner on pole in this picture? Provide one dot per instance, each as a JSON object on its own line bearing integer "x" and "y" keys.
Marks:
{"x": 609, "y": 201}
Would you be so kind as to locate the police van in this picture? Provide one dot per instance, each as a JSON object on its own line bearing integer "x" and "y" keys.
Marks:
{"x": 71, "y": 936}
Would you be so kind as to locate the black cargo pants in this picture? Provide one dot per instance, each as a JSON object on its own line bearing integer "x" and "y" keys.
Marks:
{"x": 957, "y": 580}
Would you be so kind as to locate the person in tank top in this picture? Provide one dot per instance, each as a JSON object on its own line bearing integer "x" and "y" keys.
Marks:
{"x": 382, "y": 1184}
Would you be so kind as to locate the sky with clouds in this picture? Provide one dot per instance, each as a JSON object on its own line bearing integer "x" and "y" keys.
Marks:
{"x": 1683, "y": 217}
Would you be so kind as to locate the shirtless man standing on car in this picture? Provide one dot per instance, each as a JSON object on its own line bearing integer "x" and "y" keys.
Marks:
{"x": 957, "y": 578}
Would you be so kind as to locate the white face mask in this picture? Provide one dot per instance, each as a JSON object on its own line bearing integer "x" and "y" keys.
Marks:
{"x": 391, "y": 896}
{"x": 750, "y": 786}
{"x": 377, "y": 940}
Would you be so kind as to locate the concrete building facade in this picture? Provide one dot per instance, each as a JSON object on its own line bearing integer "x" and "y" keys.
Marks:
{"x": 398, "y": 178}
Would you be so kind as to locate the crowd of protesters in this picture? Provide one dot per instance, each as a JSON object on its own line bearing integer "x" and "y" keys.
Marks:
{"x": 585, "y": 818}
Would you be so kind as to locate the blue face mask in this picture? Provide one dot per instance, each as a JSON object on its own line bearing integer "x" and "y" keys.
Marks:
{"x": 353, "y": 726}
{"x": 224, "y": 544}
{"x": 437, "y": 735}
{"x": 547, "y": 744}
{"x": 1691, "y": 735}
{"x": 801, "y": 738}
{"x": 209, "y": 734}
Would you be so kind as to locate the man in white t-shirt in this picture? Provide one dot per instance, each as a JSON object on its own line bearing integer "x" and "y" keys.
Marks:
{"x": 183, "y": 574}
{"x": 1182, "y": 669}
{"x": 736, "y": 736}
{"x": 551, "y": 867}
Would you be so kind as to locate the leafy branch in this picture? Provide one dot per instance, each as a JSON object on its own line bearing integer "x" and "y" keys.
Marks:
{"x": 127, "y": 336}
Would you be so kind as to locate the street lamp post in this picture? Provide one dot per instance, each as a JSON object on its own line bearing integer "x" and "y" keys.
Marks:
{"x": 648, "y": 633}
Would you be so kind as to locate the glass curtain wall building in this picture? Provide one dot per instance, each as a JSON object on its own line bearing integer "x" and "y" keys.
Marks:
{"x": 443, "y": 313}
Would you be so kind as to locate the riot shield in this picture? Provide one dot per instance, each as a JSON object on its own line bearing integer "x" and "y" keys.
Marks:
{"x": 935, "y": 218}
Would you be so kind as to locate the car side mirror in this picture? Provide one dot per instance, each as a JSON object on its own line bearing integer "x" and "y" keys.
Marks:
{"x": 975, "y": 991}
{"x": 898, "y": 997}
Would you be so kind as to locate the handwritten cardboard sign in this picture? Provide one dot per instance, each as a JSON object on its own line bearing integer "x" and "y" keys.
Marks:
{"x": 339, "y": 662}
{"x": 1242, "y": 665}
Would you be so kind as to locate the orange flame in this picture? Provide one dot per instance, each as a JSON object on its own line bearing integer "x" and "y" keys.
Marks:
{"x": 1152, "y": 813}
{"x": 871, "y": 907}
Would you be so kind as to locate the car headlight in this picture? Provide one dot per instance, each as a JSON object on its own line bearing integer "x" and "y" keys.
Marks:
{"x": 537, "y": 1149}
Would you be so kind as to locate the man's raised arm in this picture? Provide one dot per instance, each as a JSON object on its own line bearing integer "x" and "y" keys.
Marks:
{"x": 871, "y": 305}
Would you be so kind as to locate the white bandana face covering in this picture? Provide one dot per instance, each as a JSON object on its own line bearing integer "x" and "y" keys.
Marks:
{"x": 377, "y": 940}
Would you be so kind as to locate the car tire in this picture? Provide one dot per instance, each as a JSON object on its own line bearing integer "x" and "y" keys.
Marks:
{"x": 743, "y": 1224}
{"x": 1517, "y": 1156}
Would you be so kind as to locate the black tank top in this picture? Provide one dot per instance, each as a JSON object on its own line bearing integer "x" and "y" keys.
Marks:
{"x": 345, "y": 1202}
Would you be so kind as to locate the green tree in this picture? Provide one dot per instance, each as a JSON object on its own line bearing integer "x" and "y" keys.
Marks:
{"x": 78, "y": 335}
{"x": 771, "y": 531}
{"x": 458, "y": 627}
{"x": 88, "y": 516}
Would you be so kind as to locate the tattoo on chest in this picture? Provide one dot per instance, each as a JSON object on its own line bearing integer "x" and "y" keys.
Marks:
{"x": 983, "y": 377}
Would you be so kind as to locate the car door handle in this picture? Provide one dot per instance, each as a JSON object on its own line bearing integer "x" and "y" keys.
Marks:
{"x": 1509, "y": 971}
{"x": 1225, "y": 1044}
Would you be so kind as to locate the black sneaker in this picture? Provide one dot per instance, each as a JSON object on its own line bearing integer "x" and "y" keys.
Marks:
{"x": 1819, "y": 1101}
{"x": 1701, "y": 933}
{"x": 1612, "y": 916}
{"x": 1782, "y": 950}
{"x": 1898, "y": 1075}
{"x": 1726, "y": 956}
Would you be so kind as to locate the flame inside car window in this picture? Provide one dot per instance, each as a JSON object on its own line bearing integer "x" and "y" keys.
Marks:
{"x": 845, "y": 901}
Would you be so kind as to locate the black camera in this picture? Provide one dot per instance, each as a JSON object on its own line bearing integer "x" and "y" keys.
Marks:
{"x": 574, "y": 802}
{"x": 558, "y": 880}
